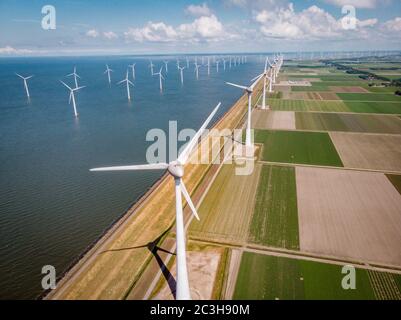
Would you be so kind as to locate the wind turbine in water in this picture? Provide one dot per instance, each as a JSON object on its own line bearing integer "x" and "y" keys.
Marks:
{"x": 217, "y": 66}
{"x": 75, "y": 75}
{"x": 108, "y": 70}
{"x": 132, "y": 66}
{"x": 128, "y": 82}
{"x": 72, "y": 96}
{"x": 176, "y": 170}
{"x": 181, "y": 69}
{"x": 161, "y": 78}
{"x": 197, "y": 66}
{"x": 151, "y": 65}
{"x": 25, "y": 83}
{"x": 249, "y": 91}
{"x": 166, "y": 65}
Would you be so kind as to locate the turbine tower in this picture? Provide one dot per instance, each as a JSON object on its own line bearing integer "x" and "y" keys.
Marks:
{"x": 161, "y": 78}
{"x": 72, "y": 97}
{"x": 176, "y": 170}
{"x": 128, "y": 82}
{"x": 217, "y": 66}
{"x": 182, "y": 74}
{"x": 132, "y": 66}
{"x": 108, "y": 70}
{"x": 249, "y": 91}
{"x": 166, "y": 65}
{"x": 151, "y": 65}
{"x": 25, "y": 83}
{"x": 75, "y": 75}
{"x": 197, "y": 66}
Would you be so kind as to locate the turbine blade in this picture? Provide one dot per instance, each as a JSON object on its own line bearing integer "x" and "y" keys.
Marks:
{"x": 69, "y": 99}
{"x": 78, "y": 88}
{"x": 65, "y": 85}
{"x": 154, "y": 166}
{"x": 188, "y": 198}
{"x": 236, "y": 85}
{"x": 129, "y": 81}
{"x": 19, "y": 76}
{"x": 183, "y": 157}
{"x": 257, "y": 77}
{"x": 121, "y": 81}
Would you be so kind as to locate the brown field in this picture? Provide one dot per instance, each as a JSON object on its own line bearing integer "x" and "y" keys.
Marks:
{"x": 227, "y": 209}
{"x": 376, "y": 152}
{"x": 313, "y": 96}
{"x": 202, "y": 271}
{"x": 348, "y": 89}
{"x": 349, "y": 214}
{"x": 328, "y": 96}
{"x": 296, "y": 96}
{"x": 274, "y": 120}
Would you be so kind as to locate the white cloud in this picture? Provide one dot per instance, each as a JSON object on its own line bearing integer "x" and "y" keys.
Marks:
{"x": 205, "y": 28}
{"x": 8, "y": 50}
{"x": 198, "y": 10}
{"x": 393, "y": 25}
{"x": 110, "y": 35}
{"x": 257, "y": 4}
{"x": 312, "y": 23}
{"x": 93, "y": 33}
{"x": 363, "y": 4}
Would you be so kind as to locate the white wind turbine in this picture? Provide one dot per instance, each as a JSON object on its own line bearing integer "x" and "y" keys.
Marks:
{"x": 176, "y": 170}
{"x": 128, "y": 82}
{"x": 273, "y": 71}
{"x": 166, "y": 65}
{"x": 217, "y": 66}
{"x": 75, "y": 75}
{"x": 208, "y": 66}
{"x": 224, "y": 64}
{"x": 25, "y": 83}
{"x": 182, "y": 74}
{"x": 265, "y": 76}
{"x": 249, "y": 91}
{"x": 72, "y": 97}
{"x": 151, "y": 65}
{"x": 132, "y": 66}
{"x": 108, "y": 70}
{"x": 187, "y": 62}
{"x": 161, "y": 78}
{"x": 197, "y": 66}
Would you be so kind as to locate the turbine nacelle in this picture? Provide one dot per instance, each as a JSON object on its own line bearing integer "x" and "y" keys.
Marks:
{"x": 176, "y": 169}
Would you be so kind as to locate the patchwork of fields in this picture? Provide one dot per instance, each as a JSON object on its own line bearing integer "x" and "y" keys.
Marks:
{"x": 326, "y": 188}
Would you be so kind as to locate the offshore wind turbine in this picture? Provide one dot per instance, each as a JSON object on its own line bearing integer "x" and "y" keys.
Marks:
{"x": 151, "y": 65}
{"x": 108, "y": 70}
{"x": 197, "y": 66}
{"x": 224, "y": 64}
{"x": 128, "y": 82}
{"x": 249, "y": 91}
{"x": 176, "y": 170}
{"x": 208, "y": 66}
{"x": 75, "y": 75}
{"x": 161, "y": 78}
{"x": 166, "y": 65}
{"x": 181, "y": 69}
{"x": 132, "y": 66}
{"x": 217, "y": 66}
{"x": 72, "y": 96}
{"x": 25, "y": 83}
{"x": 187, "y": 62}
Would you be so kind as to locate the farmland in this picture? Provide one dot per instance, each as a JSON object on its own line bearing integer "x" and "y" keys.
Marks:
{"x": 298, "y": 147}
{"x": 275, "y": 218}
{"x": 270, "y": 277}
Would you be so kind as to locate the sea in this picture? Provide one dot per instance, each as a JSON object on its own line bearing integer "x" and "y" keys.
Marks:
{"x": 51, "y": 207}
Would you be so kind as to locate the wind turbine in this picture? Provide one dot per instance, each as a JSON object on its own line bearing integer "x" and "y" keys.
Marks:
{"x": 176, "y": 170}
{"x": 249, "y": 91}
{"x": 224, "y": 64}
{"x": 182, "y": 74}
{"x": 208, "y": 66}
{"x": 273, "y": 72}
{"x": 25, "y": 83}
{"x": 161, "y": 78}
{"x": 72, "y": 97}
{"x": 166, "y": 65}
{"x": 217, "y": 66}
{"x": 265, "y": 76}
{"x": 151, "y": 65}
{"x": 197, "y": 66}
{"x": 187, "y": 62}
{"x": 75, "y": 75}
{"x": 132, "y": 66}
{"x": 128, "y": 83}
{"x": 108, "y": 70}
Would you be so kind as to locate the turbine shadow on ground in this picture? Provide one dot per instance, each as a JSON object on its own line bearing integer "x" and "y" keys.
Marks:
{"x": 154, "y": 249}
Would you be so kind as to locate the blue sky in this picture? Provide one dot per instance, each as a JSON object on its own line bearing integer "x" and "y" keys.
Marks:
{"x": 181, "y": 26}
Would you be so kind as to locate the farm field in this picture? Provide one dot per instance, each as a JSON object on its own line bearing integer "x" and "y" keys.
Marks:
{"x": 375, "y": 152}
{"x": 226, "y": 211}
{"x": 262, "y": 119}
{"x": 369, "y": 97}
{"x": 267, "y": 277}
{"x": 374, "y": 107}
{"x": 350, "y": 214}
{"x": 275, "y": 218}
{"x": 395, "y": 180}
{"x": 308, "y": 105}
{"x": 298, "y": 147}
{"x": 347, "y": 122}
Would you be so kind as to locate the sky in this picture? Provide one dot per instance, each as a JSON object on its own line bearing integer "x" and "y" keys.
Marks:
{"x": 85, "y": 27}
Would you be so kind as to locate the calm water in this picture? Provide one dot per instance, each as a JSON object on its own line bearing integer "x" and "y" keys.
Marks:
{"x": 51, "y": 206}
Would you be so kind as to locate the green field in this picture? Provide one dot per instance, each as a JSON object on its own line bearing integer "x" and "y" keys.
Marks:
{"x": 374, "y": 107}
{"x": 395, "y": 180}
{"x": 275, "y": 218}
{"x": 347, "y": 122}
{"x": 382, "y": 89}
{"x": 308, "y": 105}
{"x": 298, "y": 147}
{"x": 263, "y": 277}
{"x": 368, "y": 97}
{"x": 312, "y": 88}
